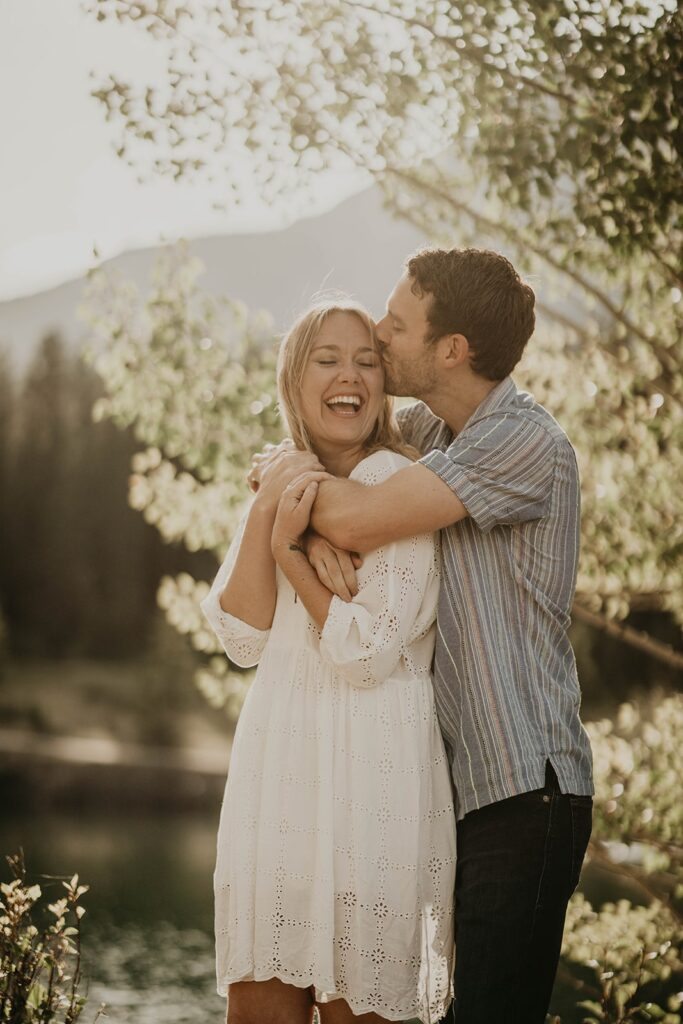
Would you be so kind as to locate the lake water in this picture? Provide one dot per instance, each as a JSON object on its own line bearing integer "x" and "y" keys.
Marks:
{"x": 147, "y": 933}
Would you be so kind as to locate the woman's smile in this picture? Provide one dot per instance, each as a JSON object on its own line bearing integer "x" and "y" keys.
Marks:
{"x": 345, "y": 405}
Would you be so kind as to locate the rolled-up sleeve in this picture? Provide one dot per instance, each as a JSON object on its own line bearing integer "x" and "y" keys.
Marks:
{"x": 501, "y": 468}
{"x": 242, "y": 643}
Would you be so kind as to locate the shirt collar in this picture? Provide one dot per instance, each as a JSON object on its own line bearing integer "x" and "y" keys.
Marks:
{"x": 500, "y": 396}
{"x": 504, "y": 393}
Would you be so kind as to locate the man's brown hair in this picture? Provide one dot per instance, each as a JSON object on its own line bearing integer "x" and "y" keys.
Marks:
{"x": 477, "y": 293}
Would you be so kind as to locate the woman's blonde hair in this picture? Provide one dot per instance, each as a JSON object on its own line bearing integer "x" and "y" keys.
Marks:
{"x": 295, "y": 350}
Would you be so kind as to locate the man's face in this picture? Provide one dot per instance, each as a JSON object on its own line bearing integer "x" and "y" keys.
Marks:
{"x": 409, "y": 361}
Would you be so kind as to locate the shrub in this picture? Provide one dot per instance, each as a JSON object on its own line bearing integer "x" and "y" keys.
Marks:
{"x": 40, "y": 967}
{"x": 628, "y": 957}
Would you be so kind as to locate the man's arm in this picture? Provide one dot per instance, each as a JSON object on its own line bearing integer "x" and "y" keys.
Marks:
{"x": 360, "y": 518}
{"x": 498, "y": 472}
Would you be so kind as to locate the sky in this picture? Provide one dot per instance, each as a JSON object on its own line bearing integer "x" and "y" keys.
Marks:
{"x": 63, "y": 190}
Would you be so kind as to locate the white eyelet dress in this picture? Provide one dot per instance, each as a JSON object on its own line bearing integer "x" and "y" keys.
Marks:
{"x": 336, "y": 844}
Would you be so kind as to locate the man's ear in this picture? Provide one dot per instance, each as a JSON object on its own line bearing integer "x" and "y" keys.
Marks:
{"x": 455, "y": 350}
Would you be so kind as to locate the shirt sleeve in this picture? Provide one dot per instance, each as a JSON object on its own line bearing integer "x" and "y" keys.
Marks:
{"x": 398, "y": 588}
{"x": 242, "y": 643}
{"x": 501, "y": 468}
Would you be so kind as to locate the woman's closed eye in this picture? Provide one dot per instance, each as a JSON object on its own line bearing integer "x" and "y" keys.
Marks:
{"x": 332, "y": 362}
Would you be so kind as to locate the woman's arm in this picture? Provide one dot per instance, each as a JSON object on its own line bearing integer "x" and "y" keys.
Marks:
{"x": 242, "y": 642}
{"x": 294, "y": 563}
{"x": 290, "y": 524}
{"x": 250, "y": 591}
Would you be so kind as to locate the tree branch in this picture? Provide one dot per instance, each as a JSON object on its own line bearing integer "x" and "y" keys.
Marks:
{"x": 674, "y": 272}
{"x": 628, "y": 635}
{"x": 596, "y": 851}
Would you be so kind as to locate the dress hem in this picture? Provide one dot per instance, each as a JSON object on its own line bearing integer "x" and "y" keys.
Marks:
{"x": 355, "y": 1007}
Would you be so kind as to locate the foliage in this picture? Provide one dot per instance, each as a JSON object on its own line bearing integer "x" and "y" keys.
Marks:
{"x": 581, "y": 94}
{"x": 633, "y": 964}
{"x": 40, "y": 968}
{"x": 551, "y": 130}
{"x": 638, "y": 768}
{"x": 194, "y": 378}
{"x": 631, "y": 955}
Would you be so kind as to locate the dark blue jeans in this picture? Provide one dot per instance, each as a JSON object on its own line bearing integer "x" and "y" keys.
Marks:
{"x": 519, "y": 861}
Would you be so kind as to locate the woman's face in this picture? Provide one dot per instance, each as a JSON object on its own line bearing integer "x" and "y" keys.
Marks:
{"x": 342, "y": 389}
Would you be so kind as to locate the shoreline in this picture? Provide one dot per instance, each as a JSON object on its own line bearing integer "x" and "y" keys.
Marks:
{"x": 39, "y": 770}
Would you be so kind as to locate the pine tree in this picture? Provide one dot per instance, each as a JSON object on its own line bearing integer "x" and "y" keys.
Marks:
{"x": 37, "y": 572}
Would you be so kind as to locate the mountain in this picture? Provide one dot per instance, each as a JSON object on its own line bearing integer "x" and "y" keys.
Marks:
{"x": 356, "y": 247}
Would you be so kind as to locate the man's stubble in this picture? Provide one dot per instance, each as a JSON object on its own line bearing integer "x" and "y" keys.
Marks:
{"x": 414, "y": 378}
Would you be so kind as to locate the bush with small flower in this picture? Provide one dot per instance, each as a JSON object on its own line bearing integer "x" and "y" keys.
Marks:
{"x": 40, "y": 965}
{"x": 631, "y": 960}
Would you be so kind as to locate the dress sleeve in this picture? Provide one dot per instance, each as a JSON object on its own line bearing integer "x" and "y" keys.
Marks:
{"x": 398, "y": 587}
{"x": 501, "y": 468}
{"x": 242, "y": 643}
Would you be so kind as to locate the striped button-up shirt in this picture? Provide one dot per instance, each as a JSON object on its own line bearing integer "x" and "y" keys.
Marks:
{"x": 505, "y": 682}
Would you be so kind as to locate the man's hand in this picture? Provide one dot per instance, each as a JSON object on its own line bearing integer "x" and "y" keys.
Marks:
{"x": 336, "y": 569}
{"x": 262, "y": 461}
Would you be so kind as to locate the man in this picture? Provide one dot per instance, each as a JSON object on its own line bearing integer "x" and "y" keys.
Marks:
{"x": 498, "y": 477}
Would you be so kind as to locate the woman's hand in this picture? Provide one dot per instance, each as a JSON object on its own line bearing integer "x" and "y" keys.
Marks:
{"x": 294, "y": 512}
{"x": 279, "y": 471}
{"x": 263, "y": 460}
{"x": 336, "y": 569}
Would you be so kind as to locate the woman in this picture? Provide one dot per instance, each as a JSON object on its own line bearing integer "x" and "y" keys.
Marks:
{"x": 336, "y": 844}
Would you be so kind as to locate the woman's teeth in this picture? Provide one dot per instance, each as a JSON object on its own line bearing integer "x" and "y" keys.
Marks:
{"x": 345, "y": 405}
